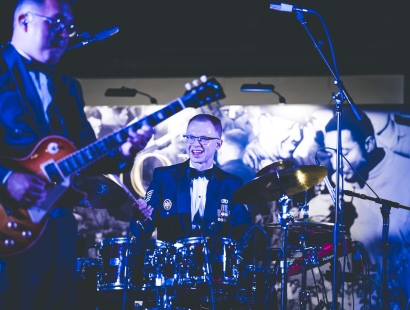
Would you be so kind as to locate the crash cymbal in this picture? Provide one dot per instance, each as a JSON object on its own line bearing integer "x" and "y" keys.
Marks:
{"x": 309, "y": 227}
{"x": 102, "y": 192}
{"x": 270, "y": 186}
{"x": 279, "y": 165}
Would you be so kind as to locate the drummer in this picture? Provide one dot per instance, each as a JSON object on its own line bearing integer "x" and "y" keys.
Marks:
{"x": 194, "y": 198}
{"x": 189, "y": 199}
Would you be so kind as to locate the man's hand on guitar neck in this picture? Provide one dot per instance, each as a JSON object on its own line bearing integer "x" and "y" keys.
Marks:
{"x": 137, "y": 140}
{"x": 26, "y": 189}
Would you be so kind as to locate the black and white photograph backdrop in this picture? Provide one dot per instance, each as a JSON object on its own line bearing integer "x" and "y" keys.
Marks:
{"x": 255, "y": 137}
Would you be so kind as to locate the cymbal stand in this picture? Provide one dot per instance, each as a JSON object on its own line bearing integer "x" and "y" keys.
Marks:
{"x": 310, "y": 259}
{"x": 284, "y": 218}
{"x": 338, "y": 98}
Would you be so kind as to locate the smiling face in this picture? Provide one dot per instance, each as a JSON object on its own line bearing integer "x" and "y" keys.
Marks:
{"x": 202, "y": 156}
{"x": 35, "y": 36}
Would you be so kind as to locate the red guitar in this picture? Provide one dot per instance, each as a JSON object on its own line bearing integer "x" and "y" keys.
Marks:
{"x": 56, "y": 160}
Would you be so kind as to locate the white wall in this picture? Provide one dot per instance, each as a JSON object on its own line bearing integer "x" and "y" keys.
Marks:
{"x": 376, "y": 89}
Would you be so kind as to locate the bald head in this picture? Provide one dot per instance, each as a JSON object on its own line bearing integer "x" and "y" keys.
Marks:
{"x": 40, "y": 28}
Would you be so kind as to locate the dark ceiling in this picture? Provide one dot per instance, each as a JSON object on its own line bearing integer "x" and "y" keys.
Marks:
{"x": 235, "y": 38}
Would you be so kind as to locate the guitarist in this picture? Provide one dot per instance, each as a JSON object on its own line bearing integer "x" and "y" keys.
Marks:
{"x": 35, "y": 102}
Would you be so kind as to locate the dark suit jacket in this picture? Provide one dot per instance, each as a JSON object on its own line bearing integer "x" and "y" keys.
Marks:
{"x": 169, "y": 195}
{"x": 22, "y": 119}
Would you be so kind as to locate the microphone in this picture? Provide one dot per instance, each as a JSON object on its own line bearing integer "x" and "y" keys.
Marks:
{"x": 283, "y": 7}
{"x": 104, "y": 34}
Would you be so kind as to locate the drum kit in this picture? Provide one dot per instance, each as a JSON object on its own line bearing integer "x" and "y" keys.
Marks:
{"x": 204, "y": 272}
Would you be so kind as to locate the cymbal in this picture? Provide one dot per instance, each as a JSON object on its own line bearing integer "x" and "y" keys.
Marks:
{"x": 309, "y": 227}
{"x": 102, "y": 192}
{"x": 279, "y": 165}
{"x": 270, "y": 186}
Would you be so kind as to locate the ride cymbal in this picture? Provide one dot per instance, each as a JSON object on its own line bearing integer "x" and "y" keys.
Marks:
{"x": 270, "y": 186}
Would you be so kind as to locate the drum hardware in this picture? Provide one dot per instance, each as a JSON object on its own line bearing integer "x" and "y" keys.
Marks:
{"x": 284, "y": 218}
{"x": 309, "y": 259}
{"x": 385, "y": 211}
{"x": 276, "y": 182}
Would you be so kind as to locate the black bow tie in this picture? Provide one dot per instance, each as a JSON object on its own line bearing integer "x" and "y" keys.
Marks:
{"x": 38, "y": 66}
{"x": 193, "y": 173}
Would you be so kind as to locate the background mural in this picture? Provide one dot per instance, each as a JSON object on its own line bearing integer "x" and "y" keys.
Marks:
{"x": 257, "y": 136}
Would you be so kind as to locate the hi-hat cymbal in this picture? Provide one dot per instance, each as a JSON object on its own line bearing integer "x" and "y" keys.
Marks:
{"x": 279, "y": 165}
{"x": 270, "y": 186}
{"x": 102, "y": 192}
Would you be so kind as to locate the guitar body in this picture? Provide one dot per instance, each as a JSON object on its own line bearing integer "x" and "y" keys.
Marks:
{"x": 18, "y": 232}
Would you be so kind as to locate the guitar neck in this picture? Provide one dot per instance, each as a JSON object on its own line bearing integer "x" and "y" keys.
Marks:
{"x": 86, "y": 156}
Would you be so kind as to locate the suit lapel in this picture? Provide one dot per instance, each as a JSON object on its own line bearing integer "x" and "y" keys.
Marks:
{"x": 29, "y": 97}
{"x": 184, "y": 198}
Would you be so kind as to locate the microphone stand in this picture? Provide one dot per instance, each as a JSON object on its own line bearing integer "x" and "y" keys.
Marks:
{"x": 385, "y": 211}
{"x": 338, "y": 98}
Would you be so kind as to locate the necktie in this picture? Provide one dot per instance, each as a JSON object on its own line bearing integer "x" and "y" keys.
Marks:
{"x": 194, "y": 173}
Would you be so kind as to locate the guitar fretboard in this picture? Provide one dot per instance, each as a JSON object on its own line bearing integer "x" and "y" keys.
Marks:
{"x": 82, "y": 158}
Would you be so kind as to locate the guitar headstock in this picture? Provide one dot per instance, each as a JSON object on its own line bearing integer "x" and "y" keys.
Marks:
{"x": 202, "y": 92}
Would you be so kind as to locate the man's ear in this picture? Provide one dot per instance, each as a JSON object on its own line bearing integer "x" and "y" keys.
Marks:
{"x": 219, "y": 144}
{"x": 24, "y": 19}
{"x": 369, "y": 144}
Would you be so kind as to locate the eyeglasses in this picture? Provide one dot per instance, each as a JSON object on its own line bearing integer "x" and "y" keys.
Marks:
{"x": 57, "y": 24}
{"x": 202, "y": 140}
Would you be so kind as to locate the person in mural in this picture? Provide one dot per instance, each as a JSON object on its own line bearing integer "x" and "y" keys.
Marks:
{"x": 229, "y": 158}
{"x": 113, "y": 119}
{"x": 94, "y": 117}
{"x": 277, "y": 139}
{"x": 385, "y": 172}
{"x": 392, "y": 131}
{"x": 37, "y": 102}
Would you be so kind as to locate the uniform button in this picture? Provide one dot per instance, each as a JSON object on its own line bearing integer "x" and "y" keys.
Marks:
{"x": 17, "y": 130}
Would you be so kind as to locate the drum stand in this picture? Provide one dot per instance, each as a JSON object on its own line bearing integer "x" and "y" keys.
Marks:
{"x": 310, "y": 260}
{"x": 284, "y": 218}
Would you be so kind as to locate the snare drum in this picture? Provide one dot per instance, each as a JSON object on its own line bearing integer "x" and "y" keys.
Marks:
{"x": 113, "y": 253}
{"x": 191, "y": 260}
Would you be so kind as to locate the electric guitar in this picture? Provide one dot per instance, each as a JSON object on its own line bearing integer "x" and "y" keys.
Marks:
{"x": 57, "y": 161}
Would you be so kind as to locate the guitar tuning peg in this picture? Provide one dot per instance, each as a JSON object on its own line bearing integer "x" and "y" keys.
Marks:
{"x": 195, "y": 83}
{"x": 203, "y": 78}
{"x": 188, "y": 86}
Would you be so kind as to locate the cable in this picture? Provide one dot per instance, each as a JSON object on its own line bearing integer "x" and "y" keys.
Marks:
{"x": 317, "y": 289}
{"x": 324, "y": 288}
